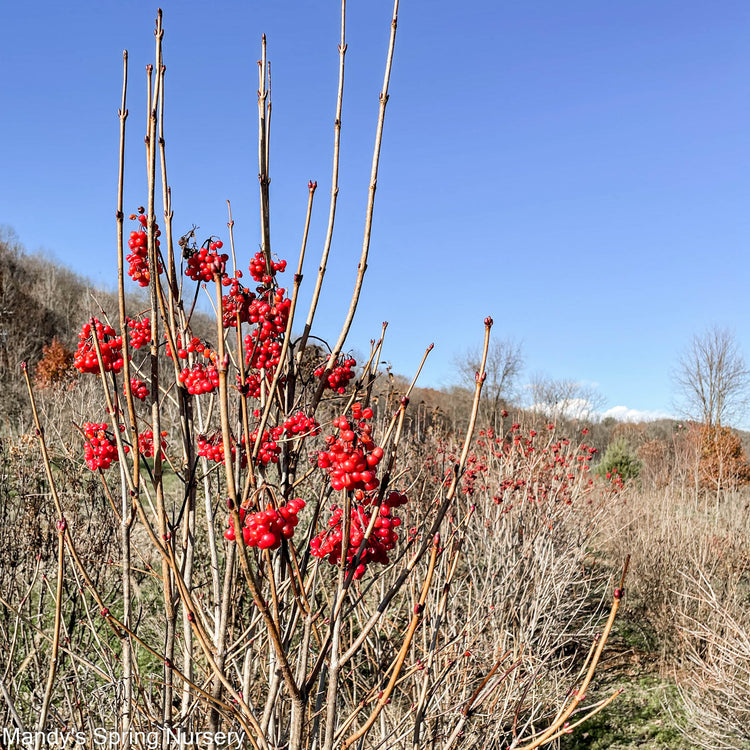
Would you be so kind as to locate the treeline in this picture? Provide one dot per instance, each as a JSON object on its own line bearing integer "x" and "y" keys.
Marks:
{"x": 44, "y": 304}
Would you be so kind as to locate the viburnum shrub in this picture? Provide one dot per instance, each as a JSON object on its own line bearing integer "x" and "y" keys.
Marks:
{"x": 530, "y": 466}
{"x": 525, "y": 466}
{"x": 282, "y": 571}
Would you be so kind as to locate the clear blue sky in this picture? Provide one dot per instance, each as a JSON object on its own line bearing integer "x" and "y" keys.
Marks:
{"x": 580, "y": 171}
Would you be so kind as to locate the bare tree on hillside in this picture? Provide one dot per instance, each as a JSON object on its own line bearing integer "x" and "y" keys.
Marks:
{"x": 504, "y": 365}
{"x": 712, "y": 378}
{"x": 564, "y": 398}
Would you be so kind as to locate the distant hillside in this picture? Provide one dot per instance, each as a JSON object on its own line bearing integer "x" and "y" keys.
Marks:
{"x": 39, "y": 300}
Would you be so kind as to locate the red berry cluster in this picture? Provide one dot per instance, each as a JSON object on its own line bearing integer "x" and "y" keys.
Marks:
{"x": 194, "y": 345}
{"x": 138, "y": 258}
{"x": 339, "y": 376}
{"x": 262, "y": 344}
{"x": 138, "y": 388}
{"x": 213, "y": 448}
{"x": 327, "y": 544}
{"x": 110, "y": 345}
{"x": 269, "y": 449}
{"x": 395, "y": 499}
{"x": 267, "y": 311}
{"x": 264, "y": 355}
{"x": 258, "y": 268}
{"x": 300, "y": 424}
{"x": 146, "y": 443}
{"x": 204, "y": 263}
{"x": 140, "y": 332}
{"x": 252, "y": 385}
{"x": 199, "y": 347}
{"x": 236, "y": 303}
{"x": 352, "y": 458}
{"x": 100, "y": 450}
{"x": 616, "y": 481}
{"x": 199, "y": 378}
{"x": 271, "y": 318}
{"x": 474, "y": 471}
{"x": 266, "y": 528}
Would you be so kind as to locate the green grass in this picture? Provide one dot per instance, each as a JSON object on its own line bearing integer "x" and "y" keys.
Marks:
{"x": 637, "y": 718}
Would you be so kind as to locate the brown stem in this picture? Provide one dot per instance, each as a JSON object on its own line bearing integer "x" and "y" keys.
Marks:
{"x": 187, "y": 536}
{"x": 399, "y": 661}
{"x": 439, "y": 617}
{"x": 153, "y": 267}
{"x": 287, "y": 332}
{"x": 362, "y": 267}
{"x": 334, "y": 191}
{"x": 250, "y": 479}
{"x": 126, "y": 513}
{"x": 263, "y": 177}
{"x": 44, "y": 711}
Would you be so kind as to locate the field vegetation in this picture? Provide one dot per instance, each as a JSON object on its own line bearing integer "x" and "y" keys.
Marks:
{"x": 221, "y": 530}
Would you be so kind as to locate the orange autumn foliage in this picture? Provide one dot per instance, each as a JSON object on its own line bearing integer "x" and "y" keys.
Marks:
{"x": 723, "y": 463}
{"x": 55, "y": 366}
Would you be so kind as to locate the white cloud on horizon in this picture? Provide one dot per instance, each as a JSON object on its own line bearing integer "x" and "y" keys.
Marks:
{"x": 626, "y": 414}
{"x": 582, "y": 409}
{"x": 572, "y": 408}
